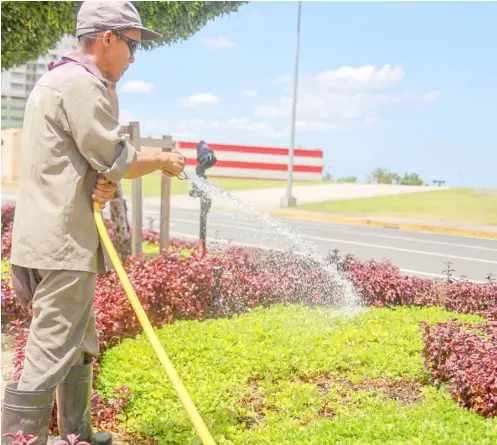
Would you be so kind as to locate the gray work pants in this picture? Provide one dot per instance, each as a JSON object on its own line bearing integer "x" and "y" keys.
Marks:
{"x": 63, "y": 327}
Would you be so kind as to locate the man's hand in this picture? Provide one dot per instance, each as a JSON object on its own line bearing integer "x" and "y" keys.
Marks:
{"x": 171, "y": 163}
{"x": 174, "y": 163}
{"x": 104, "y": 191}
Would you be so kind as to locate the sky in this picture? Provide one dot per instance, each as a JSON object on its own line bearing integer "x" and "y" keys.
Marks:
{"x": 411, "y": 87}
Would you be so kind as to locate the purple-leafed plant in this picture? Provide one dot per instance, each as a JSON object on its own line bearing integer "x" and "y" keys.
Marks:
{"x": 72, "y": 439}
{"x": 20, "y": 438}
{"x": 27, "y": 439}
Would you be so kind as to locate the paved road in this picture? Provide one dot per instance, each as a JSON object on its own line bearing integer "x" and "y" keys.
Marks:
{"x": 414, "y": 253}
{"x": 417, "y": 254}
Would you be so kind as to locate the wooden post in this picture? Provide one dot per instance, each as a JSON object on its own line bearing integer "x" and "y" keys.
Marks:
{"x": 136, "y": 197}
{"x": 165, "y": 201}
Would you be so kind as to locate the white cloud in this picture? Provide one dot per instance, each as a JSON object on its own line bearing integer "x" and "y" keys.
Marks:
{"x": 313, "y": 126}
{"x": 219, "y": 43}
{"x": 371, "y": 121}
{"x": 325, "y": 107}
{"x": 136, "y": 86}
{"x": 125, "y": 117}
{"x": 202, "y": 123}
{"x": 281, "y": 132}
{"x": 284, "y": 78}
{"x": 200, "y": 100}
{"x": 341, "y": 98}
{"x": 243, "y": 123}
{"x": 360, "y": 78}
{"x": 191, "y": 129}
{"x": 238, "y": 120}
{"x": 413, "y": 96}
{"x": 179, "y": 135}
{"x": 248, "y": 93}
{"x": 281, "y": 108}
{"x": 236, "y": 128}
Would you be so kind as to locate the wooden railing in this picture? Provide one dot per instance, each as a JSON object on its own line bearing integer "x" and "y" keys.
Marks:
{"x": 132, "y": 131}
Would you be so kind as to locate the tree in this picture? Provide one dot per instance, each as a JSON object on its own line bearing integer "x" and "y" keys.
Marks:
{"x": 31, "y": 29}
{"x": 411, "y": 179}
{"x": 384, "y": 176}
{"x": 347, "y": 180}
{"x": 327, "y": 176}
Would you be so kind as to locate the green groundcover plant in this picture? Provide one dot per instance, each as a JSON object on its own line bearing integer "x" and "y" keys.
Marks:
{"x": 295, "y": 375}
{"x": 181, "y": 284}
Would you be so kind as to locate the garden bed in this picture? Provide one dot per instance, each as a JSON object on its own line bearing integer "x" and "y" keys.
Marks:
{"x": 293, "y": 374}
{"x": 358, "y": 378}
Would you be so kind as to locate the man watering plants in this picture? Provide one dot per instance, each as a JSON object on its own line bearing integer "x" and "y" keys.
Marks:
{"x": 72, "y": 155}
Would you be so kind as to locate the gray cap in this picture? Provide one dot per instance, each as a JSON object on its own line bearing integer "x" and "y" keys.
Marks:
{"x": 97, "y": 16}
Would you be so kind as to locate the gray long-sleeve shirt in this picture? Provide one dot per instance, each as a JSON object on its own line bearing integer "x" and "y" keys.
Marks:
{"x": 69, "y": 136}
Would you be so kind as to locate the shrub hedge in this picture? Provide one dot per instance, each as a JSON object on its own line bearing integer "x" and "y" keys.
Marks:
{"x": 465, "y": 357}
{"x": 181, "y": 284}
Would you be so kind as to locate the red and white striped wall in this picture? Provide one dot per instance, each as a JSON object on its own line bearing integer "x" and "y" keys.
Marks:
{"x": 254, "y": 162}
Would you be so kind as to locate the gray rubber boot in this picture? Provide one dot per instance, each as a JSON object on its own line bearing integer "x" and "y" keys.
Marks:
{"x": 74, "y": 406}
{"x": 27, "y": 411}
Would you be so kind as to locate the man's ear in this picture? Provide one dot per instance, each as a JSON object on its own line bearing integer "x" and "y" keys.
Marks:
{"x": 107, "y": 38}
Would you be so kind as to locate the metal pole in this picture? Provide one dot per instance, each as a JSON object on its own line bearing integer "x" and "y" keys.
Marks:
{"x": 289, "y": 199}
{"x": 204, "y": 209}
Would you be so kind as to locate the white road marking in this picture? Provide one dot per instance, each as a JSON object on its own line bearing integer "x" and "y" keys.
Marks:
{"x": 402, "y": 249}
{"x": 407, "y": 271}
{"x": 339, "y": 229}
{"x": 393, "y": 237}
{"x": 417, "y": 240}
{"x": 435, "y": 275}
{"x": 383, "y": 247}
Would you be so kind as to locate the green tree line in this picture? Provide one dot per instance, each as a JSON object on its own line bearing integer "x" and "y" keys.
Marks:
{"x": 32, "y": 29}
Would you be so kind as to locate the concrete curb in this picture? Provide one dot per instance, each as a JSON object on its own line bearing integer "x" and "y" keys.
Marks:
{"x": 349, "y": 220}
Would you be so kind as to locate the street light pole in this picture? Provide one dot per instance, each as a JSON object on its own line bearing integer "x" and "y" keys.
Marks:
{"x": 288, "y": 200}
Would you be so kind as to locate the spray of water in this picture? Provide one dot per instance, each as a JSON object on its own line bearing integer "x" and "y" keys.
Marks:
{"x": 301, "y": 253}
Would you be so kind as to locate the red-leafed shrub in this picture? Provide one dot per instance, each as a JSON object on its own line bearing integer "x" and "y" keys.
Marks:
{"x": 105, "y": 413}
{"x": 284, "y": 277}
{"x": 7, "y": 221}
{"x": 178, "y": 244}
{"x": 174, "y": 286}
{"x": 465, "y": 357}
{"x": 8, "y": 212}
{"x": 6, "y": 243}
{"x": 471, "y": 298}
{"x": 11, "y": 309}
{"x": 151, "y": 237}
{"x": 170, "y": 287}
{"x": 381, "y": 284}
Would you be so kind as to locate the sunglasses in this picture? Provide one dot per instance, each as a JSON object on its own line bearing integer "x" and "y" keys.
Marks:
{"x": 132, "y": 44}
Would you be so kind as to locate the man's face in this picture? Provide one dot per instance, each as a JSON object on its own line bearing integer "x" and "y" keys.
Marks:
{"x": 118, "y": 52}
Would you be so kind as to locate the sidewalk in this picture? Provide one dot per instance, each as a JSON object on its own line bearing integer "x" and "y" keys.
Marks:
{"x": 269, "y": 199}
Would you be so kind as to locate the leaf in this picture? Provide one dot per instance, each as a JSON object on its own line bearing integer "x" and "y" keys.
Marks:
{"x": 25, "y": 37}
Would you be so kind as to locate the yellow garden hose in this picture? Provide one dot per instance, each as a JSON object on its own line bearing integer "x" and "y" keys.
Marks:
{"x": 183, "y": 395}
